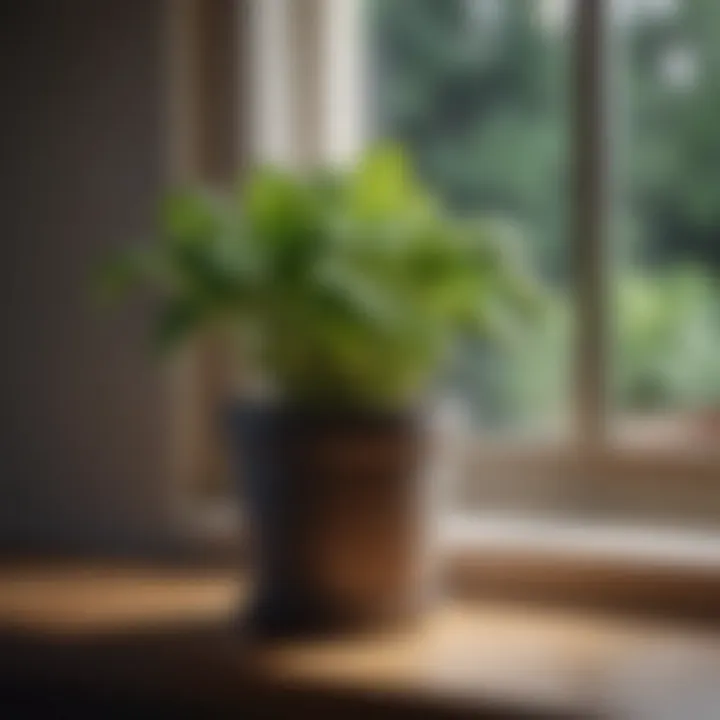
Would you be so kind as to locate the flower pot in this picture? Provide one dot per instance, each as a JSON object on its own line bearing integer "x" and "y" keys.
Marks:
{"x": 335, "y": 501}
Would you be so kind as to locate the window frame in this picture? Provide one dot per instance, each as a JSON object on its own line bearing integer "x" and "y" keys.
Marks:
{"x": 297, "y": 117}
{"x": 589, "y": 464}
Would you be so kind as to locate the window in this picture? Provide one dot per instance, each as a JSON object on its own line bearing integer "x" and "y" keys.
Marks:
{"x": 667, "y": 328}
{"x": 477, "y": 92}
{"x": 591, "y": 126}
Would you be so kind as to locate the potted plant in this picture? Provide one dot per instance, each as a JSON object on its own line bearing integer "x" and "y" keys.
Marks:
{"x": 346, "y": 292}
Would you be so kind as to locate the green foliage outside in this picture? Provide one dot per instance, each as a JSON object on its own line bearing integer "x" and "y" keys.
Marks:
{"x": 667, "y": 327}
{"x": 346, "y": 289}
{"x": 478, "y": 91}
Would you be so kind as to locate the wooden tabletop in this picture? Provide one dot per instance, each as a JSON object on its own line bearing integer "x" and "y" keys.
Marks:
{"x": 172, "y": 636}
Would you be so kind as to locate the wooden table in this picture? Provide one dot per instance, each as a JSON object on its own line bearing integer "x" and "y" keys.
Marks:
{"x": 99, "y": 636}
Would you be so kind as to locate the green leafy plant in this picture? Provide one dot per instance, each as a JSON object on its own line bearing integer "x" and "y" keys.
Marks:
{"x": 347, "y": 288}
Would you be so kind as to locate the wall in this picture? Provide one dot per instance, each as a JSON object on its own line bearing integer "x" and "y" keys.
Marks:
{"x": 81, "y": 408}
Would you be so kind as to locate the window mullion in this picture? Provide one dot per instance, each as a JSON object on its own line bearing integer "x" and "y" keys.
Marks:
{"x": 590, "y": 153}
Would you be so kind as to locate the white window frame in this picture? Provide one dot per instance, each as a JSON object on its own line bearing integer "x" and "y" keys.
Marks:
{"x": 307, "y": 78}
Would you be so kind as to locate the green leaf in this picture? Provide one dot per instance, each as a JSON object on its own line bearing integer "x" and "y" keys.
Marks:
{"x": 382, "y": 184}
{"x": 188, "y": 216}
{"x": 278, "y": 206}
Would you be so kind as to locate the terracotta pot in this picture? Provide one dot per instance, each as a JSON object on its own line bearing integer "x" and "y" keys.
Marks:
{"x": 336, "y": 505}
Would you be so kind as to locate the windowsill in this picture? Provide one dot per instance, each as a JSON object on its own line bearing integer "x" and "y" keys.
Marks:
{"x": 126, "y": 637}
{"x": 624, "y": 544}
{"x": 617, "y": 568}
{"x": 640, "y": 569}
{"x": 566, "y": 537}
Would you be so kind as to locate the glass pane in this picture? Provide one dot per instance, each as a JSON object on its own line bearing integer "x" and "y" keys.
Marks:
{"x": 476, "y": 92}
{"x": 667, "y": 331}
